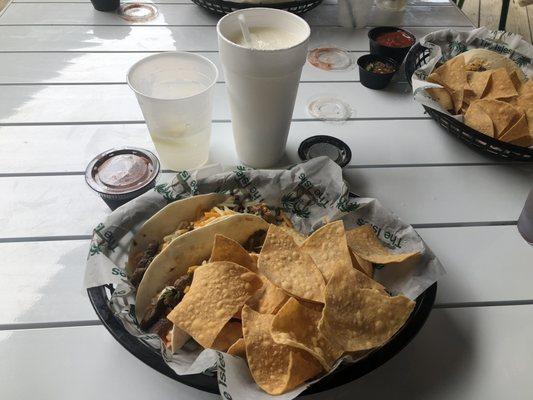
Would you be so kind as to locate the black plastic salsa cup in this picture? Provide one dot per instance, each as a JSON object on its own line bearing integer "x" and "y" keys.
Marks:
{"x": 105, "y": 5}
{"x": 396, "y": 53}
{"x": 373, "y": 80}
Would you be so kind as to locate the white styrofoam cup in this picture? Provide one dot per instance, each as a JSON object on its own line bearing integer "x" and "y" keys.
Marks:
{"x": 262, "y": 84}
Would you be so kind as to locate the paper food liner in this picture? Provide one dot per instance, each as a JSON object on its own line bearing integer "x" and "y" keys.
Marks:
{"x": 447, "y": 43}
{"x": 311, "y": 194}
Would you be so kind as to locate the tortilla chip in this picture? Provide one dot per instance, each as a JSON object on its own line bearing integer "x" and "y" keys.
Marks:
{"x": 475, "y": 65}
{"x": 518, "y": 134}
{"x": 361, "y": 319}
{"x": 434, "y": 78}
{"x": 238, "y": 349}
{"x": 286, "y": 266}
{"x": 502, "y": 114}
{"x": 296, "y": 236}
{"x": 478, "y": 82}
{"x": 468, "y": 97}
{"x": 500, "y": 85}
{"x": 457, "y": 98}
{"x": 483, "y": 59}
{"x": 517, "y": 83}
{"x": 217, "y": 292}
{"x": 230, "y": 333}
{"x": 525, "y": 103}
{"x": 441, "y": 96}
{"x": 318, "y": 307}
{"x": 452, "y": 74}
{"x": 477, "y": 119}
{"x": 364, "y": 242}
{"x": 526, "y": 88}
{"x": 275, "y": 368}
{"x": 328, "y": 248}
{"x": 237, "y": 315}
{"x": 362, "y": 281}
{"x": 297, "y": 325}
{"x": 269, "y": 299}
{"x": 254, "y": 257}
{"x": 362, "y": 265}
{"x": 226, "y": 249}
{"x": 302, "y": 367}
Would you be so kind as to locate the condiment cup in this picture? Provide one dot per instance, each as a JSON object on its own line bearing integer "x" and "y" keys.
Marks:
{"x": 396, "y": 53}
{"x": 374, "y": 80}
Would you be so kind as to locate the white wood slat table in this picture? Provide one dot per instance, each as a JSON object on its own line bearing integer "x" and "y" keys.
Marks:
{"x": 63, "y": 99}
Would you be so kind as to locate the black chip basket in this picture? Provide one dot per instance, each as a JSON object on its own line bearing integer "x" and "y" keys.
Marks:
{"x": 207, "y": 381}
{"x": 416, "y": 58}
{"x": 221, "y": 7}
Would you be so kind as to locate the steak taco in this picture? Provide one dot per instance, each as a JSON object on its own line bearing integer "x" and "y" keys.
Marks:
{"x": 183, "y": 216}
{"x": 170, "y": 274}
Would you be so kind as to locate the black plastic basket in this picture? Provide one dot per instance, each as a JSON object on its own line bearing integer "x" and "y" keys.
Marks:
{"x": 417, "y": 57}
{"x": 99, "y": 297}
{"x": 221, "y": 7}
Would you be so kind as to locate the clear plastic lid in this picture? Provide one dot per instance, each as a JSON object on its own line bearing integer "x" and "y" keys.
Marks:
{"x": 329, "y": 108}
{"x": 137, "y": 12}
{"x": 331, "y": 59}
{"x": 122, "y": 171}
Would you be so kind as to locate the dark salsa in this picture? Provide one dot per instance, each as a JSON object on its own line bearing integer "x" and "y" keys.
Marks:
{"x": 394, "y": 39}
{"x": 380, "y": 67}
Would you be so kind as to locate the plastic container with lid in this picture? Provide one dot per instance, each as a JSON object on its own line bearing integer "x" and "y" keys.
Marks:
{"x": 324, "y": 145}
{"x": 120, "y": 175}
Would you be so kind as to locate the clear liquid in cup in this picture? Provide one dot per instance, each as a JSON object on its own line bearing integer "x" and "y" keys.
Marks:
{"x": 183, "y": 148}
{"x": 186, "y": 144}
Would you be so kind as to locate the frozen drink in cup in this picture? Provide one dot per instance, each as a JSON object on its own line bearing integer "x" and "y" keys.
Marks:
{"x": 262, "y": 74}
{"x": 175, "y": 93}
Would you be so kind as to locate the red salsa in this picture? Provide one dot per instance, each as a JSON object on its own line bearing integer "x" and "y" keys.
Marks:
{"x": 379, "y": 67}
{"x": 394, "y": 39}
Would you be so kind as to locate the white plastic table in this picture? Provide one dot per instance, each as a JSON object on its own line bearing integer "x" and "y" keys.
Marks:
{"x": 63, "y": 99}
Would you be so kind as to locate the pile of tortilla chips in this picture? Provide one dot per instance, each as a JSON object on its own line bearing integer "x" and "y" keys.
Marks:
{"x": 490, "y": 91}
{"x": 296, "y": 308}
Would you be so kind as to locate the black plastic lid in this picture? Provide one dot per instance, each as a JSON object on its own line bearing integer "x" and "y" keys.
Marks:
{"x": 323, "y": 145}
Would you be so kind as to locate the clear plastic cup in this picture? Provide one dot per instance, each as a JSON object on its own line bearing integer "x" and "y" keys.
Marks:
{"x": 391, "y": 5}
{"x": 354, "y": 13}
{"x": 175, "y": 93}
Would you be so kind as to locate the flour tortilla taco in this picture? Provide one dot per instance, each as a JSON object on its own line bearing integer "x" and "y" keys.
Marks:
{"x": 170, "y": 274}
{"x": 183, "y": 216}
{"x": 168, "y": 223}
